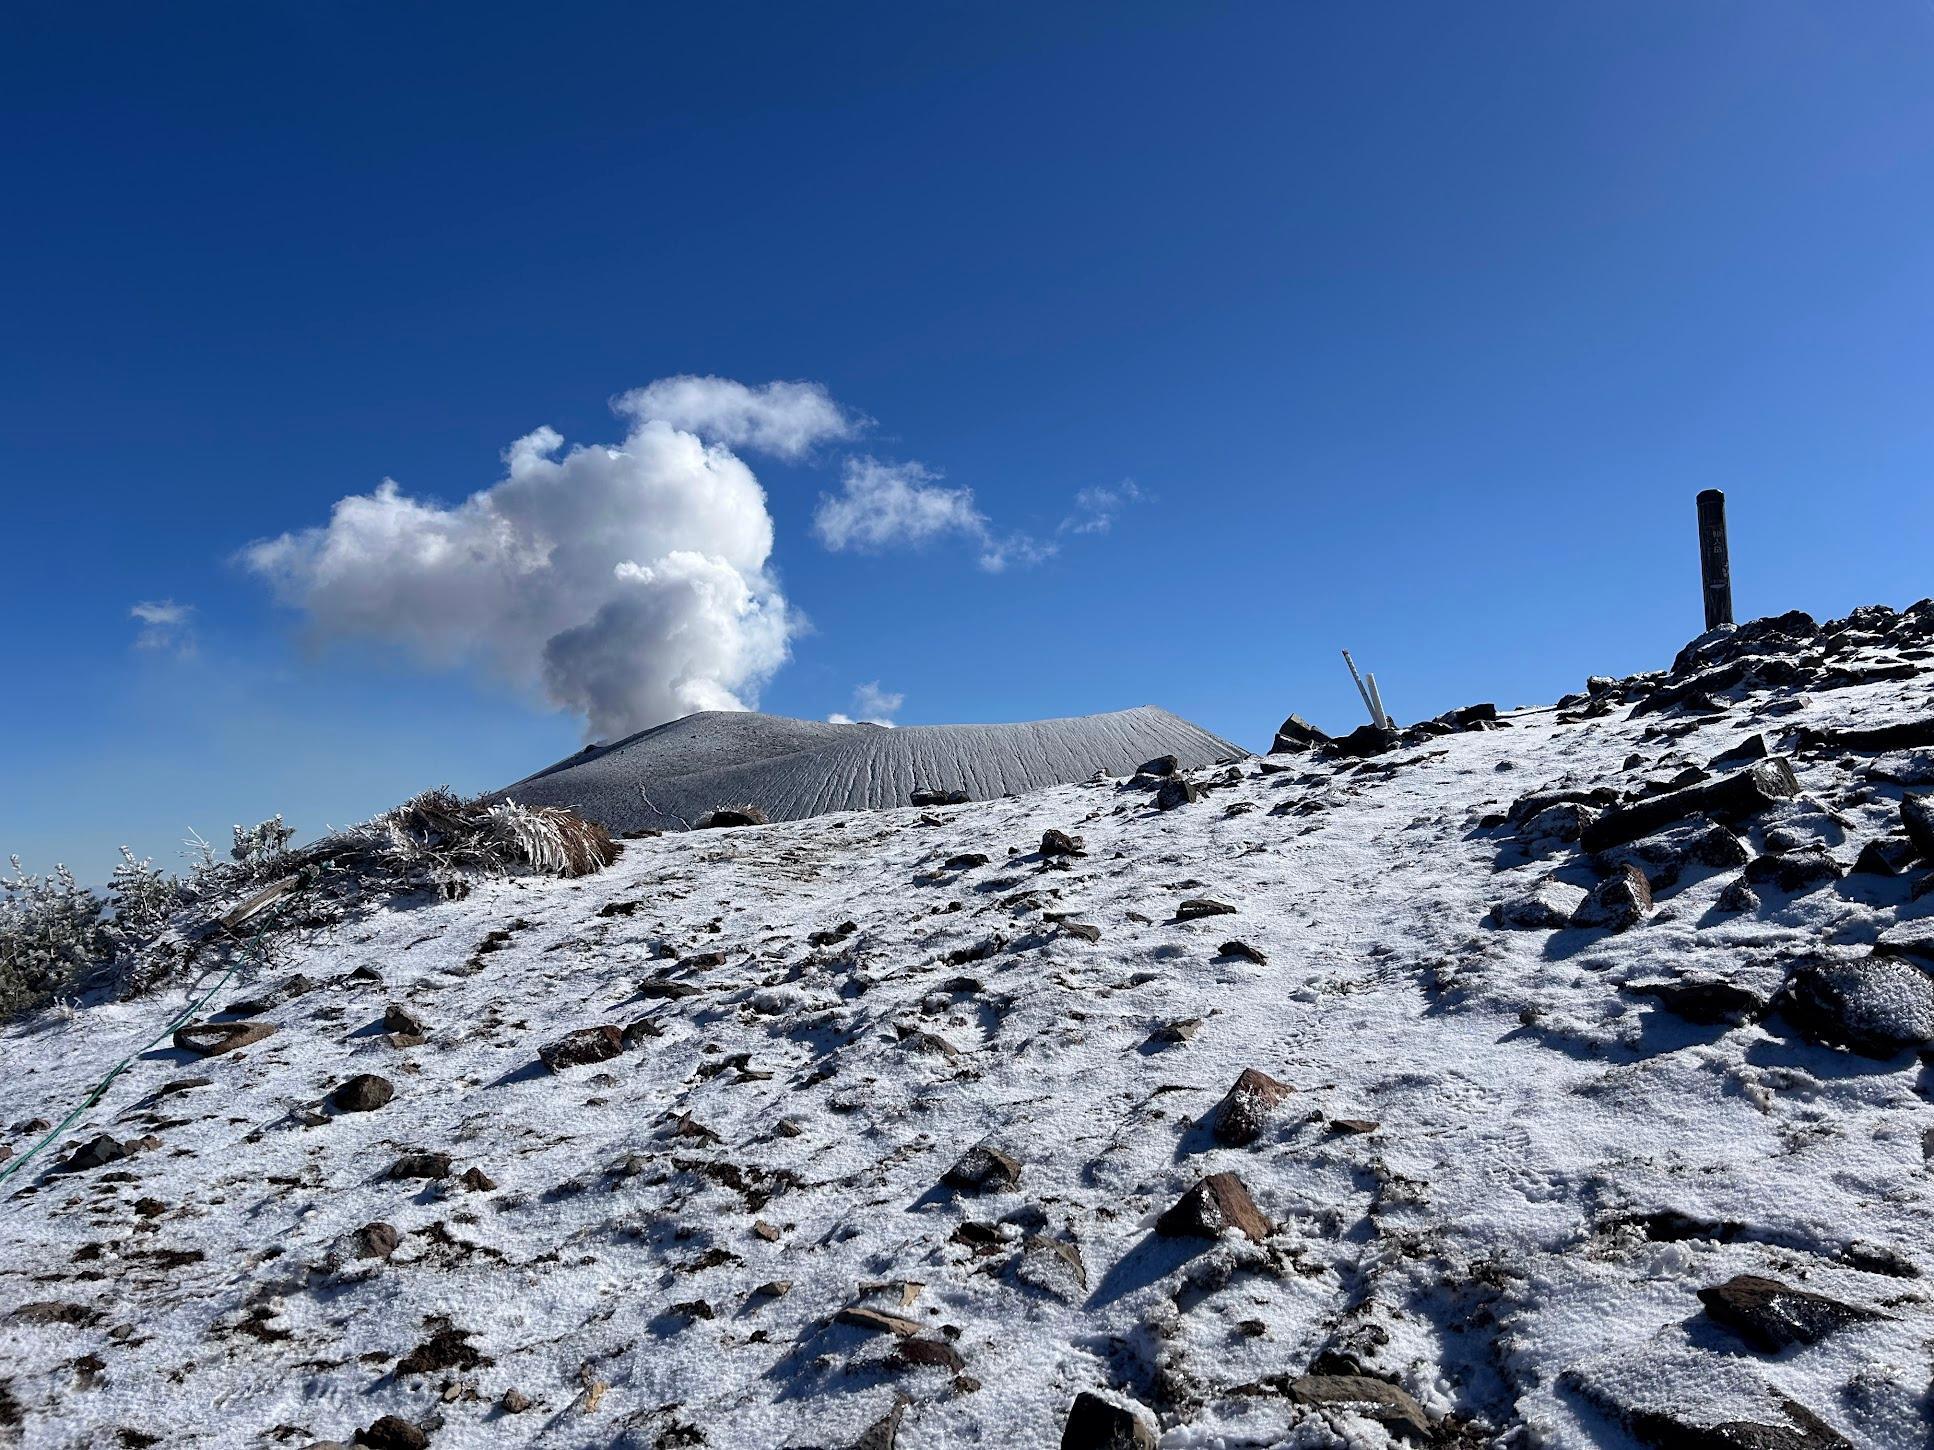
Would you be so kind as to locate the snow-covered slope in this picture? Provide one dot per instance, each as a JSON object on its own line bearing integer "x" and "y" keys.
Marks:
{"x": 673, "y": 774}
{"x": 1512, "y": 1160}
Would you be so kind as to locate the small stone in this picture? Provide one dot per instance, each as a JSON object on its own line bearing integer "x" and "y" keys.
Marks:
{"x": 1772, "y": 1316}
{"x": 1060, "y": 843}
{"x": 375, "y": 1240}
{"x": 514, "y": 1401}
{"x": 212, "y": 1039}
{"x": 773, "y": 1289}
{"x": 1242, "y": 950}
{"x": 399, "y": 1019}
{"x": 1097, "y": 1424}
{"x": 1197, "y": 907}
{"x": 421, "y": 1165}
{"x": 477, "y": 1181}
{"x": 1917, "y": 816}
{"x": 1245, "y": 1109}
{"x": 1220, "y": 1201}
{"x": 965, "y": 861}
{"x": 586, "y": 1045}
{"x": 692, "y": 1309}
{"x": 96, "y": 1152}
{"x": 392, "y": 1432}
{"x": 1545, "y": 907}
{"x": 983, "y": 1169}
{"x": 1704, "y": 1000}
{"x": 1794, "y": 871}
{"x": 928, "y": 1353}
{"x": 1389, "y": 1405}
{"x": 1738, "y": 897}
{"x": 1353, "y": 1127}
{"x": 878, "y": 1321}
{"x": 726, "y": 817}
{"x": 1174, "y": 1034}
{"x": 1053, "y": 1266}
{"x": 1086, "y": 931}
{"x": 767, "y": 1231}
{"x": 363, "y": 1093}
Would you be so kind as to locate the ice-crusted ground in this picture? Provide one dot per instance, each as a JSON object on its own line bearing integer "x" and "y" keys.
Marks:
{"x": 1539, "y": 1166}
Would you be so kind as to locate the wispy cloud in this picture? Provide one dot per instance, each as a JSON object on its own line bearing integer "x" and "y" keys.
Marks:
{"x": 1095, "y": 507}
{"x": 785, "y": 419}
{"x": 883, "y": 506}
{"x": 165, "y": 625}
{"x": 871, "y": 706}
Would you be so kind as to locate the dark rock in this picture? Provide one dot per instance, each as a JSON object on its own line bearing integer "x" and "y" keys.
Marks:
{"x": 1470, "y": 717}
{"x": 1875, "y": 1006}
{"x": 447, "y": 1348}
{"x": 1772, "y": 1316}
{"x": 398, "y": 1018}
{"x": 1917, "y": 816}
{"x": 1389, "y": 1405}
{"x": 363, "y": 1093}
{"x": 1753, "y": 747}
{"x": 983, "y": 1169}
{"x": 885, "y": 1431}
{"x": 1087, "y": 931}
{"x": 1354, "y": 1127}
{"x": 1174, "y": 1034}
{"x": 1738, "y": 897}
{"x": 928, "y": 1353}
{"x": 1242, "y": 949}
{"x": 1177, "y": 791}
{"x": 1220, "y": 1201}
{"x": 586, "y": 1045}
{"x": 692, "y": 1309}
{"x": 1705, "y": 1000}
{"x": 96, "y": 1152}
{"x": 1097, "y": 1424}
{"x": 1729, "y": 798}
{"x": 421, "y": 1165}
{"x": 966, "y": 861}
{"x": 1197, "y": 907}
{"x": 726, "y": 817}
{"x": 1879, "y": 740}
{"x": 514, "y": 1401}
{"x": 212, "y": 1039}
{"x": 475, "y": 1180}
{"x": 1620, "y": 901}
{"x": 1365, "y": 741}
{"x": 1565, "y": 821}
{"x": 1160, "y": 765}
{"x": 1297, "y": 734}
{"x": 1244, "y": 1111}
{"x": 929, "y": 797}
{"x": 393, "y": 1432}
{"x": 375, "y": 1240}
{"x": 1060, "y": 843}
{"x": 1547, "y": 906}
{"x": 1793, "y": 871}
{"x": 1526, "y": 807}
{"x": 1052, "y": 1265}
{"x": 1886, "y": 856}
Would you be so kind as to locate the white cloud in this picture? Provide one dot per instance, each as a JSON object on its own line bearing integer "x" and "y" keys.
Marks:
{"x": 164, "y": 625}
{"x": 1095, "y": 507}
{"x": 625, "y": 581}
{"x": 899, "y": 505}
{"x": 785, "y": 419}
{"x": 871, "y": 706}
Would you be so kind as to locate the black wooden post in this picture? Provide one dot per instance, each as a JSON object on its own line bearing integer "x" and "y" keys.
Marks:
{"x": 1715, "y": 572}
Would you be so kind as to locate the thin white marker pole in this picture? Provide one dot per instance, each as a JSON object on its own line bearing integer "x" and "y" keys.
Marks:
{"x": 1376, "y": 705}
{"x": 1375, "y": 718}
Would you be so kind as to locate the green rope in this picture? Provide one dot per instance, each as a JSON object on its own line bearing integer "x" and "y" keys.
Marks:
{"x": 252, "y": 947}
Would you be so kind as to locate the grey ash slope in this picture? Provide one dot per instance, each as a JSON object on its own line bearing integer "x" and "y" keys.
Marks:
{"x": 792, "y": 769}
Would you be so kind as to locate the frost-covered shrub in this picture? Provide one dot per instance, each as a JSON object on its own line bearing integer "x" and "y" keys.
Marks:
{"x": 442, "y": 833}
{"x": 50, "y": 934}
{"x": 262, "y": 844}
{"x": 140, "y": 899}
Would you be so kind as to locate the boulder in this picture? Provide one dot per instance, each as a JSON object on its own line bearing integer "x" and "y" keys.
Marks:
{"x": 1297, "y": 734}
{"x": 926, "y": 796}
{"x": 1545, "y": 907}
{"x": 1772, "y": 1316}
{"x": 1245, "y": 1110}
{"x": 1620, "y": 901}
{"x": 1917, "y": 816}
{"x": 1197, "y": 907}
{"x": 363, "y": 1093}
{"x": 726, "y": 817}
{"x": 1365, "y": 741}
{"x": 1220, "y": 1201}
{"x": 1875, "y": 1006}
{"x": 1177, "y": 791}
{"x": 1704, "y": 1000}
{"x": 586, "y": 1045}
{"x": 1794, "y": 871}
{"x": 1389, "y": 1405}
{"x": 1097, "y": 1424}
{"x": 1734, "y": 797}
{"x": 212, "y": 1039}
{"x": 1060, "y": 843}
{"x": 1159, "y": 766}
{"x": 983, "y": 1169}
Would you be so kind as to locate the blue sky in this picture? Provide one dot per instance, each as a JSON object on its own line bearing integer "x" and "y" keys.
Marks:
{"x": 1415, "y": 329}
